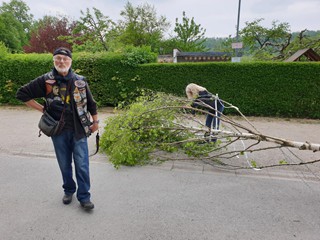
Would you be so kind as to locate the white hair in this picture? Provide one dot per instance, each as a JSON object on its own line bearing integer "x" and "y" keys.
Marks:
{"x": 192, "y": 90}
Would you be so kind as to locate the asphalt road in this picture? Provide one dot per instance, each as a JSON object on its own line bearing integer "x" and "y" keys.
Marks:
{"x": 175, "y": 200}
{"x": 154, "y": 203}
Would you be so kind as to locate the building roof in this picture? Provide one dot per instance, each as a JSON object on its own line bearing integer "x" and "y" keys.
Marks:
{"x": 202, "y": 54}
{"x": 308, "y": 52}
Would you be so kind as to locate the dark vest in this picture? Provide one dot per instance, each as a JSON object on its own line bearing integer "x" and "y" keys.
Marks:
{"x": 56, "y": 93}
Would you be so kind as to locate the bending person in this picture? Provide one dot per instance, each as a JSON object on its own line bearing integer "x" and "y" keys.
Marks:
{"x": 202, "y": 98}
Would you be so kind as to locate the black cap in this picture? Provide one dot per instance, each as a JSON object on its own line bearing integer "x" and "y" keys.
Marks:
{"x": 63, "y": 51}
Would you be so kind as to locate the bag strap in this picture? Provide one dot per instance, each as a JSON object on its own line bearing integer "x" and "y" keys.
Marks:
{"x": 97, "y": 144}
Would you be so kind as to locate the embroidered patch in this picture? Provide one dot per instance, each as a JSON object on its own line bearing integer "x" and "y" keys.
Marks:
{"x": 55, "y": 90}
{"x": 83, "y": 93}
{"x": 80, "y": 110}
{"x": 50, "y": 81}
{"x": 83, "y": 119}
{"x": 48, "y": 89}
{"x": 80, "y": 83}
{"x": 76, "y": 95}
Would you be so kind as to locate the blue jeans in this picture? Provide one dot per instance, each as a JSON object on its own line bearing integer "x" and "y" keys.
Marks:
{"x": 212, "y": 121}
{"x": 67, "y": 147}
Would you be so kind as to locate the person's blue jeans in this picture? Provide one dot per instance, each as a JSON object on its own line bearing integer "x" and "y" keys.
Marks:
{"x": 67, "y": 147}
{"x": 212, "y": 121}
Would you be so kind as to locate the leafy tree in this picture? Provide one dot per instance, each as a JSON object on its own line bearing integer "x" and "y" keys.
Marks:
{"x": 215, "y": 44}
{"x": 141, "y": 26}
{"x": 138, "y": 55}
{"x": 167, "y": 46}
{"x": 190, "y": 36}
{"x": 159, "y": 127}
{"x": 15, "y": 23}
{"x": 20, "y": 11}
{"x": 210, "y": 44}
{"x": 303, "y": 39}
{"x": 146, "y": 126}
{"x": 11, "y": 32}
{"x": 93, "y": 32}
{"x": 267, "y": 42}
{"x": 47, "y": 34}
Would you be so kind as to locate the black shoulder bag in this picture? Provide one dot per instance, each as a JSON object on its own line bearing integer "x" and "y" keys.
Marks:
{"x": 48, "y": 125}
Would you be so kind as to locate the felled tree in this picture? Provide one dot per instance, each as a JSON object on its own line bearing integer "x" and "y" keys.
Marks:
{"x": 163, "y": 127}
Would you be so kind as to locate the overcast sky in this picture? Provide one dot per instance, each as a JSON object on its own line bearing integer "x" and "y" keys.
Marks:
{"x": 218, "y": 17}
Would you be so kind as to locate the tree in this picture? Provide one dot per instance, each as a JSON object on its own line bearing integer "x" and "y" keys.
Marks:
{"x": 47, "y": 35}
{"x": 226, "y": 45}
{"x": 160, "y": 127}
{"x": 167, "y": 46}
{"x": 301, "y": 40}
{"x": 11, "y": 32}
{"x": 15, "y": 23}
{"x": 93, "y": 32}
{"x": 20, "y": 11}
{"x": 190, "y": 36}
{"x": 141, "y": 26}
{"x": 215, "y": 44}
{"x": 268, "y": 42}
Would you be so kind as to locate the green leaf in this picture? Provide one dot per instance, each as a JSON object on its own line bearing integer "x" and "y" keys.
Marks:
{"x": 253, "y": 163}
{"x": 283, "y": 162}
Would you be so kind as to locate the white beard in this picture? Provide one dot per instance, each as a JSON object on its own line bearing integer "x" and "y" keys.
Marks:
{"x": 62, "y": 70}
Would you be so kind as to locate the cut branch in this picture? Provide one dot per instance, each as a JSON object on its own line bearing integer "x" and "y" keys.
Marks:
{"x": 168, "y": 125}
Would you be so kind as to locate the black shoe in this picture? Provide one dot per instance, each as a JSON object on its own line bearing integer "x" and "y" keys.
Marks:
{"x": 87, "y": 205}
{"x": 67, "y": 199}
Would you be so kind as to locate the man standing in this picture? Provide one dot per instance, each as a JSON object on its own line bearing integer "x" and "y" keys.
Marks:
{"x": 67, "y": 93}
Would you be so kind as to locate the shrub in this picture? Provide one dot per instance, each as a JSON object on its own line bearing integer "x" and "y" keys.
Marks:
{"x": 134, "y": 56}
{"x": 4, "y": 51}
{"x": 149, "y": 124}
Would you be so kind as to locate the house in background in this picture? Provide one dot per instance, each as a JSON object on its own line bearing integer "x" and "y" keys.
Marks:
{"x": 179, "y": 56}
{"x": 307, "y": 52}
{"x": 165, "y": 58}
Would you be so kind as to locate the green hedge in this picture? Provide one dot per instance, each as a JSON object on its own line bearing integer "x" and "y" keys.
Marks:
{"x": 16, "y": 70}
{"x": 258, "y": 89}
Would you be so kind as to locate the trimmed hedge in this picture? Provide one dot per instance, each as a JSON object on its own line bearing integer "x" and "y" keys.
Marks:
{"x": 16, "y": 70}
{"x": 258, "y": 89}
